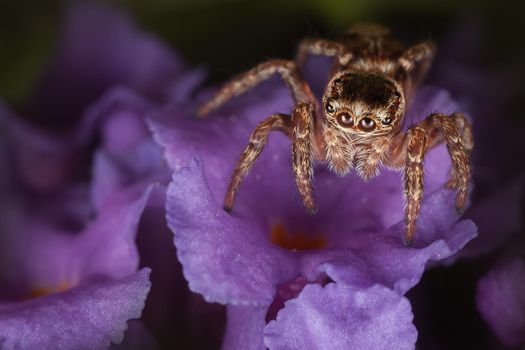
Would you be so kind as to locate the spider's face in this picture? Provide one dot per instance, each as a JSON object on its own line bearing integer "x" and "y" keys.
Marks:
{"x": 363, "y": 104}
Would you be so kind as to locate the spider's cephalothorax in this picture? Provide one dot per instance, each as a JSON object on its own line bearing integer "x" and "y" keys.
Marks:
{"x": 359, "y": 121}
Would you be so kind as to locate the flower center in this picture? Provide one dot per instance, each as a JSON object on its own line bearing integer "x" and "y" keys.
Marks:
{"x": 43, "y": 291}
{"x": 297, "y": 241}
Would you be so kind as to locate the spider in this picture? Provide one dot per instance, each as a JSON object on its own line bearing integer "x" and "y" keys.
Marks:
{"x": 358, "y": 124}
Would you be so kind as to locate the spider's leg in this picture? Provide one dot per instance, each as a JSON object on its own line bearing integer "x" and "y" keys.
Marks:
{"x": 414, "y": 64}
{"x": 467, "y": 140}
{"x": 455, "y": 131}
{"x": 287, "y": 69}
{"x": 465, "y": 129}
{"x": 302, "y": 160}
{"x": 323, "y": 48}
{"x": 458, "y": 147}
{"x": 416, "y": 147}
{"x": 418, "y": 57}
{"x": 258, "y": 140}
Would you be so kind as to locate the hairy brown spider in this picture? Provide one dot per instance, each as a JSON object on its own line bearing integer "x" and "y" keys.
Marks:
{"x": 359, "y": 124}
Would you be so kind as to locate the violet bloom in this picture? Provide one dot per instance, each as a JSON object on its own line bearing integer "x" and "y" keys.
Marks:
{"x": 105, "y": 78}
{"x": 103, "y": 67}
{"x": 290, "y": 280}
{"x": 70, "y": 281}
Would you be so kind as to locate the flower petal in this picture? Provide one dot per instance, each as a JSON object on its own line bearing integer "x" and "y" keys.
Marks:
{"x": 38, "y": 254}
{"x": 342, "y": 317}
{"x": 224, "y": 259}
{"x": 383, "y": 258}
{"x": 90, "y": 316}
{"x": 501, "y": 301}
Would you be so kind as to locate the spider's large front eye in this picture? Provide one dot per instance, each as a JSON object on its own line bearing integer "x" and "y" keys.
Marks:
{"x": 344, "y": 119}
{"x": 330, "y": 107}
{"x": 367, "y": 124}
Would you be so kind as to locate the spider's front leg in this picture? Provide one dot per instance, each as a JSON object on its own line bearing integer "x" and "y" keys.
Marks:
{"x": 302, "y": 151}
{"x": 288, "y": 71}
{"x": 455, "y": 131}
{"x": 258, "y": 140}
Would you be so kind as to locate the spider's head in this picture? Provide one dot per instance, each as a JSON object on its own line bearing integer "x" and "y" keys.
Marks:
{"x": 364, "y": 104}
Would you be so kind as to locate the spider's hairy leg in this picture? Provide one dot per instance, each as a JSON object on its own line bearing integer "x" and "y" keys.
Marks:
{"x": 415, "y": 62}
{"x": 420, "y": 54}
{"x": 459, "y": 145}
{"x": 456, "y": 132}
{"x": 258, "y": 139}
{"x": 323, "y": 48}
{"x": 465, "y": 129}
{"x": 416, "y": 147}
{"x": 288, "y": 71}
{"x": 302, "y": 158}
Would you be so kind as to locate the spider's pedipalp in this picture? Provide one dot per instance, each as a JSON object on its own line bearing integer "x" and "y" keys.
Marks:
{"x": 258, "y": 139}
{"x": 288, "y": 71}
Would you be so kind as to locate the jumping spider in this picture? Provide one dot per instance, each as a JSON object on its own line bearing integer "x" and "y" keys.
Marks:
{"x": 359, "y": 123}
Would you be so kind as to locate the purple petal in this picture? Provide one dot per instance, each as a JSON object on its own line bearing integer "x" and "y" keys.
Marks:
{"x": 219, "y": 139}
{"x": 91, "y": 316}
{"x": 224, "y": 259}
{"x": 40, "y": 160}
{"x": 342, "y": 317}
{"x": 127, "y": 155}
{"x": 501, "y": 301}
{"x": 244, "y": 329}
{"x": 39, "y": 254}
{"x": 119, "y": 114}
{"x": 382, "y": 257}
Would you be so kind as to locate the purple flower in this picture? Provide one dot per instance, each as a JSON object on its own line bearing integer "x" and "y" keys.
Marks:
{"x": 355, "y": 263}
{"x": 105, "y": 76}
{"x": 83, "y": 150}
{"x": 69, "y": 280}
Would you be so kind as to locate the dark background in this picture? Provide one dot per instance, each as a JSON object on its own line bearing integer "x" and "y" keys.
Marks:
{"x": 228, "y": 36}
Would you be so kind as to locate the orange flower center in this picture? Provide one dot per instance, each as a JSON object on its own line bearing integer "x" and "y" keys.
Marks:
{"x": 296, "y": 241}
{"x": 43, "y": 291}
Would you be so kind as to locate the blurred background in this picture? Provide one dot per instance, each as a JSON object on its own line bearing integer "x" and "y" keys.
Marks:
{"x": 229, "y": 36}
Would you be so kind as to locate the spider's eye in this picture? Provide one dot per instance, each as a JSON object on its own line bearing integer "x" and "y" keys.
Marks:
{"x": 367, "y": 124}
{"x": 344, "y": 119}
{"x": 397, "y": 94}
{"x": 387, "y": 121}
{"x": 330, "y": 107}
